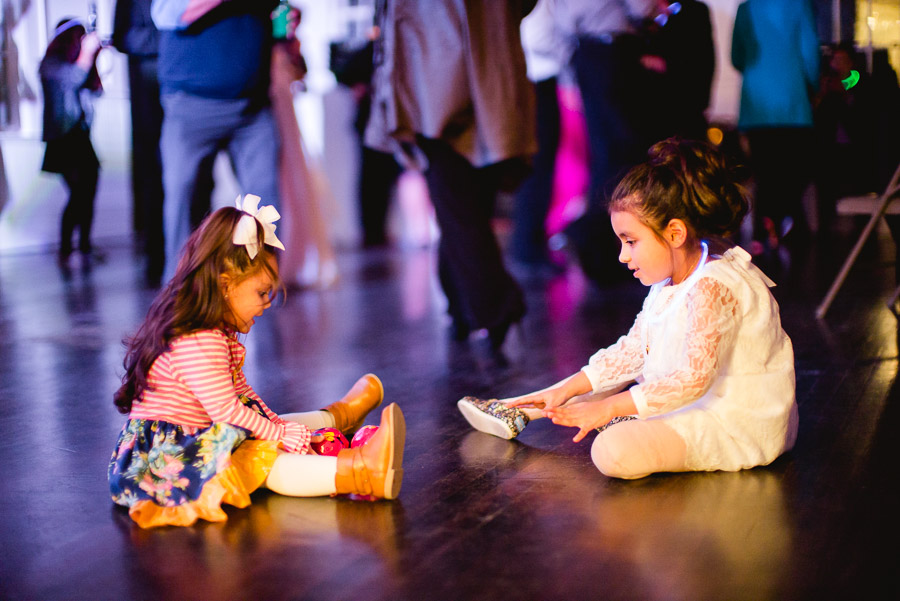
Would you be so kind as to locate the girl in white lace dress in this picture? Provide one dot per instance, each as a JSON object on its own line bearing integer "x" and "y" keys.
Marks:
{"x": 704, "y": 380}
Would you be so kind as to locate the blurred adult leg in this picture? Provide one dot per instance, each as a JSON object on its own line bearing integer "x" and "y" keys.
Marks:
{"x": 378, "y": 172}
{"x": 529, "y": 238}
{"x": 146, "y": 166}
{"x": 780, "y": 161}
{"x": 479, "y": 289}
{"x": 607, "y": 77}
{"x": 193, "y": 130}
{"x": 254, "y": 155}
{"x": 201, "y": 203}
{"x": 606, "y": 71}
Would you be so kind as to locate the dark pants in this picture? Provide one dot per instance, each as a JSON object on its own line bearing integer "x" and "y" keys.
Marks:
{"x": 79, "y": 212}
{"x": 529, "y": 238}
{"x": 378, "y": 172}
{"x": 610, "y": 81}
{"x": 480, "y": 291}
{"x": 73, "y": 157}
{"x": 194, "y": 130}
{"x": 781, "y": 165}
{"x": 146, "y": 166}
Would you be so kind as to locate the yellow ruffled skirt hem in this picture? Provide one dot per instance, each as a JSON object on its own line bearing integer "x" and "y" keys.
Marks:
{"x": 251, "y": 463}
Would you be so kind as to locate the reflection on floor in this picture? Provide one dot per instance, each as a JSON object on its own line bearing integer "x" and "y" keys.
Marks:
{"x": 479, "y": 517}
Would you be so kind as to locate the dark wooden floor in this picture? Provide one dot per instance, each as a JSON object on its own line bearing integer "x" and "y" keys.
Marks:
{"x": 478, "y": 517}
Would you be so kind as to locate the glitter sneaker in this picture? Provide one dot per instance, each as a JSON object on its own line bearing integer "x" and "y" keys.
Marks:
{"x": 614, "y": 421}
{"x": 493, "y": 417}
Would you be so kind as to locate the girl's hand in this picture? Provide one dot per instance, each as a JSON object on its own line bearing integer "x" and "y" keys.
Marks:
{"x": 90, "y": 47}
{"x": 542, "y": 399}
{"x": 584, "y": 416}
{"x": 312, "y": 439}
{"x": 90, "y": 43}
{"x": 554, "y": 396}
{"x": 589, "y": 415}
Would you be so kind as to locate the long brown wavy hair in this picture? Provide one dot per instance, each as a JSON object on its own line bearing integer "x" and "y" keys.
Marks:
{"x": 687, "y": 180}
{"x": 193, "y": 299}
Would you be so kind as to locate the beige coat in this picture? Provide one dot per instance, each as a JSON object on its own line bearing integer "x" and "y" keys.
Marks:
{"x": 453, "y": 70}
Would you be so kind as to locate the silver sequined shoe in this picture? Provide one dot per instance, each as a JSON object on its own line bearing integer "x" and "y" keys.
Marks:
{"x": 614, "y": 421}
{"x": 493, "y": 417}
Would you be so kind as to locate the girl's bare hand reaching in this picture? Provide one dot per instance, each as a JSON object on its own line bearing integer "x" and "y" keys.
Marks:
{"x": 554, "y": 396}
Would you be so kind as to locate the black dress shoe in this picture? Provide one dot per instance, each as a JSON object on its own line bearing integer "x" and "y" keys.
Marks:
{"x": 459, "y": 330}
{"x": 62, "y": 258}
{"x": 497, "y": 333}
{"x": 93, "y": 256}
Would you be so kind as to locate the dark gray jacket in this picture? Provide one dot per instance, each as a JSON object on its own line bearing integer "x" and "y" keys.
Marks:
{"x": 67, "y": 102}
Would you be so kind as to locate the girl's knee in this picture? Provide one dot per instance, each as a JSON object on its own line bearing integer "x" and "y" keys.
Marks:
{"x": 615, "y": 460}
{"x": 638, "y": 448}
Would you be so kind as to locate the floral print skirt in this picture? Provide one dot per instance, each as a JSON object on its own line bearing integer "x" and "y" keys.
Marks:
{"x": 166, "y": 476}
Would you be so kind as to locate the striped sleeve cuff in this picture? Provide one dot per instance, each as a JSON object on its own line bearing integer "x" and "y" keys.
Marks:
{"x": 296, "y": 438}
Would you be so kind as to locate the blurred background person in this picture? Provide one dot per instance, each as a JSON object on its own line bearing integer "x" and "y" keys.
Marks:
{"x": 135, "y": 35}
{"x": 845, "y": 125}
{"x": 603, "y": 43}
{"x": 70, "y": 80}
{"x": 776, "y": 49}
{"x": 309, "y": 260}
{"x": 528, "y": 245}
{"x": 450, "y": 88}
{"x": 13, "y": 87}
{"x": 679, "y": 59}
{"x": 214, "y": 67}
{"x": 352, "y": 65}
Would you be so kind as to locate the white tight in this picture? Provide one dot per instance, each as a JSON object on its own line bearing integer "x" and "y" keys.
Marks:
{"x": 304, "y": 475}
{"x": 637, "y": 448}
{"x": 313, "y": 420}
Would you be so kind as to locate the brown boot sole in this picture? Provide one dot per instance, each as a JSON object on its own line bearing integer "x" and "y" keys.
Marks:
{"x": 394, "y": 474}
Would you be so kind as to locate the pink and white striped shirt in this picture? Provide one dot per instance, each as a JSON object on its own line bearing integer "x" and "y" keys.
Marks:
{"x": 197, "y": 383}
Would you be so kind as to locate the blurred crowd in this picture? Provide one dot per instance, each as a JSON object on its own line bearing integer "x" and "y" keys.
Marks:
{"x": 532, "y": 109}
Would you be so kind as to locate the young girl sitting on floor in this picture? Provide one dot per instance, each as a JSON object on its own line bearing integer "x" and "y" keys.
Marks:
{"x": 197, "y": 434}
{"x": 714, "y": 370}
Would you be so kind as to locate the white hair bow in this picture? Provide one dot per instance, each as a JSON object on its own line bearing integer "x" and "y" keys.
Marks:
{"x": 245, "y": 231}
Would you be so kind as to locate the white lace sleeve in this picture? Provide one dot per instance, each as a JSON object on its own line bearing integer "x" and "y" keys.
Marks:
{"x": 711, "y": 327}
{"x": 618, "y": 364}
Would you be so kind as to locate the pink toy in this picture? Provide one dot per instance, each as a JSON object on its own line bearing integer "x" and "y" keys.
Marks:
{"x": 333, "y": 442}
{"x": 362, "y": 435}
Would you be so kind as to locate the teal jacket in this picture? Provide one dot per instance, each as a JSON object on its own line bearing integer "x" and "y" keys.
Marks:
{"x": 776, "y": 48}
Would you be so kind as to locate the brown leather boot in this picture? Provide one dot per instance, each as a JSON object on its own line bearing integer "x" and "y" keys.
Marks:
{"x": 350, "y": 412}
{"x": 375, "y": 468}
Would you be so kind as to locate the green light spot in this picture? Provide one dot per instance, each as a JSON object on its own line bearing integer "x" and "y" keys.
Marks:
{"x": 852, "y": 80}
